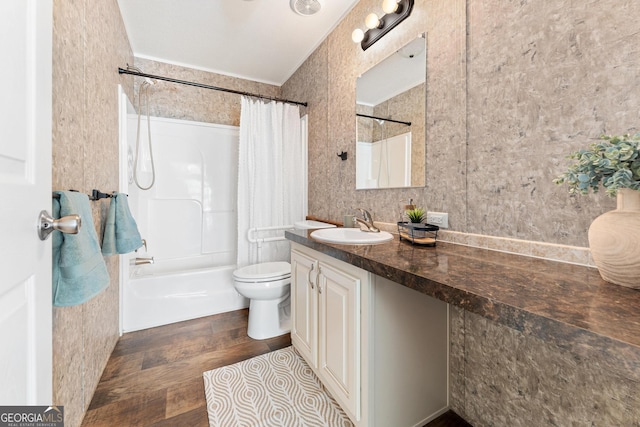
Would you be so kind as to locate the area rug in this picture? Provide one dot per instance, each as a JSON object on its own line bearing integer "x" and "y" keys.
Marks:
{"x": 274, "y": 389}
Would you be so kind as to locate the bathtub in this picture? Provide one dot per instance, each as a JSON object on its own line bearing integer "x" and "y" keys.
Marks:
{"x": 160, "y": 294}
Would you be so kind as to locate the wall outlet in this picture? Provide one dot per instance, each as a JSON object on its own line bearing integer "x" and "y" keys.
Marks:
{"x": 441, "y": 219}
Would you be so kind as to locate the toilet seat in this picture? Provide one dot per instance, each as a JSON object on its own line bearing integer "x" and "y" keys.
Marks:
{"x": 265, "y": 272}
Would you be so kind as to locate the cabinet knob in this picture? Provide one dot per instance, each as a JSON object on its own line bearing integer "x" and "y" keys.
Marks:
{"x": 318, "y": 280}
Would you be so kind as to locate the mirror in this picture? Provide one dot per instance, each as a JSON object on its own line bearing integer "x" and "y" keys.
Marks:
{"x": 390, "y": 120}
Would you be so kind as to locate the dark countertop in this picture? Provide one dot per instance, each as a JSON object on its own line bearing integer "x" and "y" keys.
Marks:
{"x": 565, "y": 304}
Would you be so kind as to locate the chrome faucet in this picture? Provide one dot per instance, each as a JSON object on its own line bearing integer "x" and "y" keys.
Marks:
{"x": 366, "y": 220}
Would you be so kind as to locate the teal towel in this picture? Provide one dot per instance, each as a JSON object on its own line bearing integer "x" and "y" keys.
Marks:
{"x": 121, "y": 233}
{"x": 79, "y": 271}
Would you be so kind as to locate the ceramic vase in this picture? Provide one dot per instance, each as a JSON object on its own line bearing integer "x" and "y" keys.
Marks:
{"x": 614, "y": 240}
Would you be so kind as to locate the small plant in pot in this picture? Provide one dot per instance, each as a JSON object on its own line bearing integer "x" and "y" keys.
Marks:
{"x": 416, "y": 215}
{"x": 613, "y": 163}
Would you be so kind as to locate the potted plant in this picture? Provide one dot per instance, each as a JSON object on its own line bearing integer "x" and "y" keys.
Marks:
{"x": 416, "y": 215}
{"x": 414, "y": 227}
{"x": 614, "y": 163}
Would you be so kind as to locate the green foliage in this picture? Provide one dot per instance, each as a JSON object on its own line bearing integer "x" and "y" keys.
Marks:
{"x": 416, "y": 215}
{"x": 614, "y": 163}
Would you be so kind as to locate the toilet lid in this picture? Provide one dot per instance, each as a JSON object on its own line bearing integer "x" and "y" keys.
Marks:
{"x": 263, "y": 272}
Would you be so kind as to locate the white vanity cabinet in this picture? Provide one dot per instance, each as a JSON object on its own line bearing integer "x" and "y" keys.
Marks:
{"x": 379, "y": 348}
{"x": 325, "y": 310}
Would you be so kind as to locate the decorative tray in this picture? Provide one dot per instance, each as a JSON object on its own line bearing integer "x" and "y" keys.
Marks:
{"x": 421, "y": 234}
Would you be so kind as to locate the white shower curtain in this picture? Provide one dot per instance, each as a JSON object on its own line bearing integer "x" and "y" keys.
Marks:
{"x": 270, "y": 176}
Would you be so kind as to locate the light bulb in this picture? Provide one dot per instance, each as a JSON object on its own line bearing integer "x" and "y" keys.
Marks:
{"x": 357, "y": 36}
{"x": 372, "y": 21}
{"x": 390, "y": 6}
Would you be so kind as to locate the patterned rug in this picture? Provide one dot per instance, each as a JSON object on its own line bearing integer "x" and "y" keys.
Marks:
{"x": 275, "y": 389}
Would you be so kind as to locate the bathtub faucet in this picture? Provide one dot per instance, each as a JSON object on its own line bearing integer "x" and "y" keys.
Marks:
{"x": 140, "y": 261}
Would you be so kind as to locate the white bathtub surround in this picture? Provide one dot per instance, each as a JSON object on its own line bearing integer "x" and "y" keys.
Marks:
{"x": 188, "y": 219}
{"x": 271, "y": 176}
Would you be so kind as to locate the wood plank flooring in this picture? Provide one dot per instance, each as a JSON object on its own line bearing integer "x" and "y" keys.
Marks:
{"x": 154, "y": 376}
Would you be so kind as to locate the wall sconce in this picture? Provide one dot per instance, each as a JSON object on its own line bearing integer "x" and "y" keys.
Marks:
{"x": 396, "y": 11}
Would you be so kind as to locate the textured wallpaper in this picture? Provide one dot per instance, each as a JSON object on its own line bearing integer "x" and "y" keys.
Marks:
{"x": 544, "y": 80}
{"x": 176, "y": 101}
{"x": 89, "y": 43}
{"x": 506, "y": 378}
{"x": 333, "y": 69}
{"x": 512, "y": 89}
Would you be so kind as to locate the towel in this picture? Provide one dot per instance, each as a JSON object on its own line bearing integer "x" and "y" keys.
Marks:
{"x": 79, "y": 271}
{"x": 121, "y": 233}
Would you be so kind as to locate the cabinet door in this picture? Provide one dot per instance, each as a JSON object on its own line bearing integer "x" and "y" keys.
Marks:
{"x": 304, "y": 335}
{"x": 339, "y": 336}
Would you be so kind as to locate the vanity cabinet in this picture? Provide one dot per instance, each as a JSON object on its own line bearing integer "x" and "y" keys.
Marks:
{"x": 325, "y": 328}
{"x": 379, "y": 348}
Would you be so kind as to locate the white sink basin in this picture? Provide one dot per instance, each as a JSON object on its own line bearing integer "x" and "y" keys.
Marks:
{"x": 351, "y": 236}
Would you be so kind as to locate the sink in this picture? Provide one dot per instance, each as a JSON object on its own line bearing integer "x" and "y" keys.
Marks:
{"x": 351, "y": 236}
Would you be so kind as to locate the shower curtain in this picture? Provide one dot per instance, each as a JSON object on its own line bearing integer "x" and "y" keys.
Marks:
{"x": 270, "y": 176}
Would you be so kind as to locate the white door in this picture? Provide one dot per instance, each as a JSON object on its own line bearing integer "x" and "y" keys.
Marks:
{"x": 25, "y": 189}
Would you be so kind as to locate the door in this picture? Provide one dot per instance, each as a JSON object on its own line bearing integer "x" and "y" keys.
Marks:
{"x": 339, "y": 336}
{"x": 25, "y": 186}
{"x": 303, "y": 306}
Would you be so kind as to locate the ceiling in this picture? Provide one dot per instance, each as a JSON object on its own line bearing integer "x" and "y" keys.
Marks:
{"x": 260, "y": 40}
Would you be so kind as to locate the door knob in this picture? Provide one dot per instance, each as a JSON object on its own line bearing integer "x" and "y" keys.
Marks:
{"x": 69, "y": 224}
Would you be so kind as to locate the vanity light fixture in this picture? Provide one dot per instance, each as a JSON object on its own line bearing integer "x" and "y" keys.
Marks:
{"x": 372, "y": 21}
{"x": 390, "y": 6}
{"x": 357, "y": 36}
{"x": 396, "y": 11}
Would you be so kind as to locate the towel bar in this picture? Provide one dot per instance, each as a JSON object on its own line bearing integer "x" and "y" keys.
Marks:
{"x": 95, "y": 195}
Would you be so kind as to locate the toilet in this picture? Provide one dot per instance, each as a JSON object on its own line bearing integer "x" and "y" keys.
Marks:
{"x": 267, "y": 286}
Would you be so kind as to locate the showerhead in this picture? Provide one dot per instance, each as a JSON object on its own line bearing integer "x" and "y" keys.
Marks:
{"x": 379, "y": 121}
{"x": 149, "y": 81}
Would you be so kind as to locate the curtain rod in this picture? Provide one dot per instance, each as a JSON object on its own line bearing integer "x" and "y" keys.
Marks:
{"x": 188, "y": 83}
{"x": 384, "y": 118}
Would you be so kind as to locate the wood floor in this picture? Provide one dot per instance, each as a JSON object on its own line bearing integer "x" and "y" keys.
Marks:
{"x": 154, "y": 376}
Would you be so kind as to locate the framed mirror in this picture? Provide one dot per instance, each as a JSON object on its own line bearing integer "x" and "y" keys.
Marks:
{"x": 390, "y": 120}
